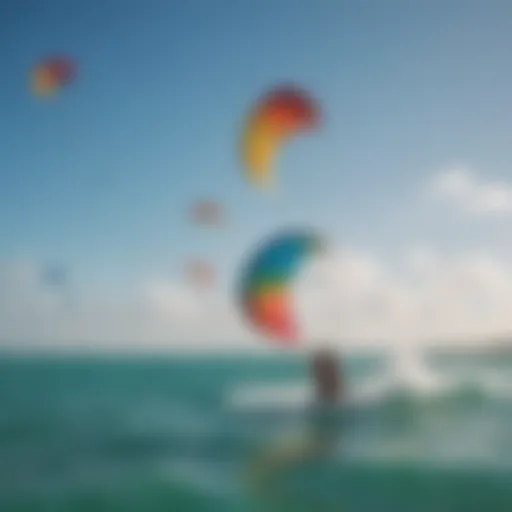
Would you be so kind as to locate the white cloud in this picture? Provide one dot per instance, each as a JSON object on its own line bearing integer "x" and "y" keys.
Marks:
{"x": 425, "y": 299}
{"x": 160, "y": 315}
{"x": 461, "y": 187}
{"x": 177, "y": 302}
{"x": 349, "y": 297}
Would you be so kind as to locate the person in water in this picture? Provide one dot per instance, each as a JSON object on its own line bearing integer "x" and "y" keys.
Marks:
{"x": 323, "y": 425}
{"x": 327, "y": 378}
{"x": 329, "y": 396}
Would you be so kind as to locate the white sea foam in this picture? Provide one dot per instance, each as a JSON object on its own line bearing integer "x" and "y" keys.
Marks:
{"x": 408, "y": 374}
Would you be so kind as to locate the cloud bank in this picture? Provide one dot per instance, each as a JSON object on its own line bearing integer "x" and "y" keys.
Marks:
{"x": 424, "y": 298}
{"x": 460, "y": 187}
{"x": 351, "y": 297}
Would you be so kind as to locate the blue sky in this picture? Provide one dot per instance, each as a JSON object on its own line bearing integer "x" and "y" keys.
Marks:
{"x": 101, "y": 179}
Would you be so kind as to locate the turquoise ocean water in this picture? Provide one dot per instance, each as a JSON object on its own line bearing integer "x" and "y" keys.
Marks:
{"x": 175, "y": 434}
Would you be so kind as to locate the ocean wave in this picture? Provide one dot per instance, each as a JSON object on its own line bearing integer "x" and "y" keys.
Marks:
{"x": 407, "y": 377}
{"x": 200, "y": 476}
{"x": 172, "y": 418}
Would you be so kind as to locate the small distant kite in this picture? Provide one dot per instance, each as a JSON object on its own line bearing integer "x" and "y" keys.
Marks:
{"x": 265, "y": 291}
{"x": 55, "y": 279}
{"x": 208, "y": 213}
{"x": 200, "y": 274}
{"x": 276, "y": 117}
{"x": 50, "y": 75}
{"x": 54, "y": 276}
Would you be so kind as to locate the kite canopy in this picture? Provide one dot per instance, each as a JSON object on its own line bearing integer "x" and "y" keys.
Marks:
{"x": 277, "y": 116}
{"x": 207, "y": 213}
{"x": 51, "y": 75}
{"x": 54, "y": 275}
{"x": 266, "y": 295}
{"x": 200, "y": 273}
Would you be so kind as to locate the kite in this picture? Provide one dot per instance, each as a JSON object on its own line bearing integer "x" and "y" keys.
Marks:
{"x": 276, "y": 117}
{"x": 51, "y": 75}
{"x": 54, "y": 275}
{"x": 266, "y": 284}
{"x": 207, "y": 213}
{"x": 200, "y": 273}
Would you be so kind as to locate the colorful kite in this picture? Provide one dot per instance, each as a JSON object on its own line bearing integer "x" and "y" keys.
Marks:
{"x": 207, "y": 213}
{"x": 51, "y": 75}
{"x": 266, "y": 294}
{"x": 280, "y": 114}
{"x": 200, "y": 274}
